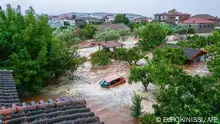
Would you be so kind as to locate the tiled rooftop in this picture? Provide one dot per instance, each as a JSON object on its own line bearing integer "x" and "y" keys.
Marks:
{"x": 111, "y": 44}
{"x": 8, "y": 92}
{"x": 62, "y": 111}
{"x": 198, "y": 21}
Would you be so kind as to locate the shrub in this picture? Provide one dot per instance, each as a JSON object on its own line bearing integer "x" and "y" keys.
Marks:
{"x": 120, "y": 54}
{"x": 100, "y": 58}
{"x": 107, "y": 35}
{"x": 136, "y": 105}
{"x": 149, "y": 119}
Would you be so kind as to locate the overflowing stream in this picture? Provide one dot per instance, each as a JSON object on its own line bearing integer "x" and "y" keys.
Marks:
{"x": 111, "y": 105}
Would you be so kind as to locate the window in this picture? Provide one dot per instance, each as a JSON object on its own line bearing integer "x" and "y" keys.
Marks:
{"x": 204, "y": 26}
{"x": 211, "y": 26}
{"x": 190, "y": 26}
{"x": 200, "y": 26}
{"x": 115, "y": 81}
{"x": 208, "y": 26}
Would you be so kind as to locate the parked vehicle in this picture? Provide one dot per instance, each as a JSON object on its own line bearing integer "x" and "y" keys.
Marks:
{"x": 112, "y": 81}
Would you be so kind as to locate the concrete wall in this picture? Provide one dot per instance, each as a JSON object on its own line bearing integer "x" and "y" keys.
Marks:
{"x": 201, "y": 28}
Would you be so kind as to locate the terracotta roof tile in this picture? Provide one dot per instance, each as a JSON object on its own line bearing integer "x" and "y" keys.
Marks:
{"x": 198, "y": 21}
{"x": 204, "y": 16}
{"x": 62, "y": 110}
{"x": 8, "y": 92}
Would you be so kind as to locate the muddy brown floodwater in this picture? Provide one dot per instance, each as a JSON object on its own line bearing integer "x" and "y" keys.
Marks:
{"x": 112, "y": 105}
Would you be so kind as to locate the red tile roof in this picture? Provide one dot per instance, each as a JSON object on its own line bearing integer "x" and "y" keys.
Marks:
{"x": 62, "y": 111}
{"x": 111, "y": 44}
{"x": 204, "y": 16}
{"x": 198, "y": 21}
{"x": 172, "y": 14}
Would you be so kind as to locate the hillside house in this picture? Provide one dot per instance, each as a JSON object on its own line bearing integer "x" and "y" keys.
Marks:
{"x": 142, "y": 20}
{"x": 172, "y": 18}
{"x": 200, "y": 25}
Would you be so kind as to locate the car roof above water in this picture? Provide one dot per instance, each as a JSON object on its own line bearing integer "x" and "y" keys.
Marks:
{"x": 111, "y": 78}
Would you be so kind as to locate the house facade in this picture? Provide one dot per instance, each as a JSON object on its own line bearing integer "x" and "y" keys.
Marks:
{"x": 142, "y": 20}
{"x": 171, "y": 17}
{"x": 199, "y": 25}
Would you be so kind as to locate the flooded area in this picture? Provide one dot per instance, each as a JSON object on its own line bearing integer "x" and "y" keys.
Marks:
{"x": 197, "y": 68}
{"x": 111, "y": 105}
{"x": 86, "y": 51}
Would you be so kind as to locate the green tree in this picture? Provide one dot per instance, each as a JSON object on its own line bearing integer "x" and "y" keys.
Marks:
{"x": 121, "y": 18}
{"x": 152, "y": 35}
{"x": 171, "y": 55}
{"x": 88, "y": 31}
{"x": 130, "y": 55}
{"x": 107, "y": 35}
{"x": 136, "y": 107}
{"x": 69, "y": 35}
{"x": 172, "y": 11}
{"x": 169, "y": 30}
{"x": 30, "y": 49}
{"x": 100, "y": 58}
{"x": 139, "y": 74}
{"x": 149, "y": 119}
{"x": 134, "y": 54}
{"x": 120, "y": 54}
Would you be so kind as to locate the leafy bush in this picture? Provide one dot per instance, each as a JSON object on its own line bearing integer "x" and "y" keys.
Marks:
{"x": 169, "y": 29}
{"x": 123, "y": 33}
{"x": 107, "y": 35}
{"x": 152, "y": 35}
{"x": 185, "y": 30}
{"x": 69, "y": 35}
{"x": 148, "y": 119}
{"x": 136, "y": 105}
{"x": 100, "y": 58}
{"x": 129, "y": 55}
{"x": 88, "y": 31}
{"x": 120, "y": 54}
{"x": 30, "y": 50}
{"x": 171, "y": 55}
{"x": 121, "y": 18}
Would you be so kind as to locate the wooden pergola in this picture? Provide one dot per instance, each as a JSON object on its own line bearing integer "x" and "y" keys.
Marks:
{"x": 110, "y": 44}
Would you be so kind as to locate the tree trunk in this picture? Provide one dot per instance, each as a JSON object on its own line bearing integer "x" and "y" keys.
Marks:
{"x": 145, "y": 86}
